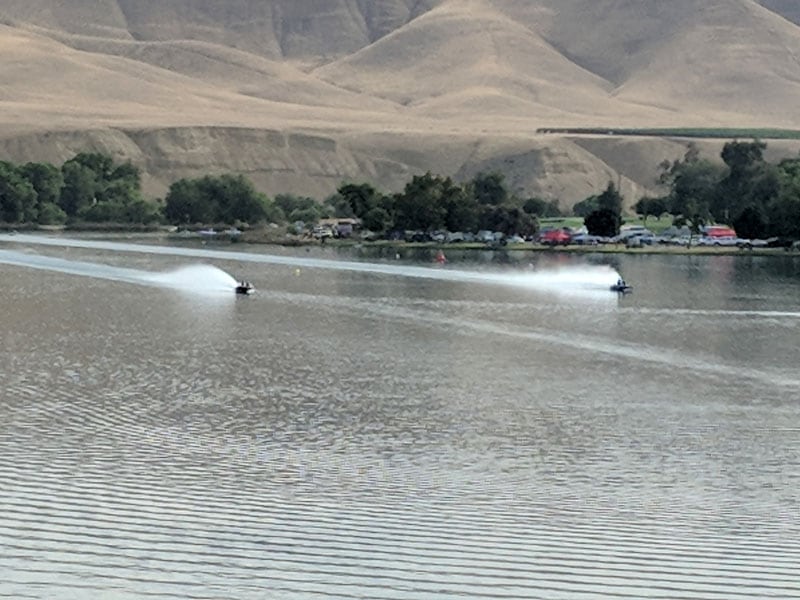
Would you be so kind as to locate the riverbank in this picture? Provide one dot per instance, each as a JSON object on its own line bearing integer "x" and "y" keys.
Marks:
{"x": 256, "y": 237}
{"x": 278, "y": 237}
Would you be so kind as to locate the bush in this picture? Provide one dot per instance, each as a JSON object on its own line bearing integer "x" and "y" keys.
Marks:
{"x": 51, "y": 214}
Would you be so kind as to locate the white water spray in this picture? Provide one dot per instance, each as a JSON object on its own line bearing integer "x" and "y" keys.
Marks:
{"x": 586, "y": 281}
{"x": 577, "y": 279}
{"x": 196, "y": 279}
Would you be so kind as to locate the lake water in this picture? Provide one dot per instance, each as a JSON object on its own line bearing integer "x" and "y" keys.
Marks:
{"x": 377, "y": 427}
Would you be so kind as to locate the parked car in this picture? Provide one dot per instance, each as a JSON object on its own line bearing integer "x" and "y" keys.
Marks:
{"x": 322, "y": 232}
{"x": 780, "y": 242}
{"x": 718, "y": 241}
{"x": 750, "y": 244}
{"x": 555, "y": 237}
{"x": 454, "y": 237}
{"x": 585, "y": 239}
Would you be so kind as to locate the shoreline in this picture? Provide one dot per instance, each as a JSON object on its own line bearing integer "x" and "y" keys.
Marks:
{"x": 531, "y": 247}
{"x": 259, "y": 238}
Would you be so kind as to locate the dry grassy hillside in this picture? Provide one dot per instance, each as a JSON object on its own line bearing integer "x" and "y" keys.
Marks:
{"x": 302, "y": 94}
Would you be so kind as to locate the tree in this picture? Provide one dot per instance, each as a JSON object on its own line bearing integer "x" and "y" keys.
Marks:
{"x": 339, "y": 206}
{"x": 360, "y": 197}
{"x": 80, "y": 187}
{"x": 127, "y": 172}
{"x": 650, "y": 207}
{"x": 740, "y": 157}
{"x": 17, "y": 196}
{"x": 751, "y": 223}
{"x": 541, "y": 208}
{"x": 99, "y": 164}
{"x": 585, "y": 207}
{"x": 377, "y": 219}
{"x": 186, "y": 203}
{"x": 461, "y": 209}
{"x": 46, "y": 179}
{"x": 95, "y": 189}
{"x": 237, "y": 200}
{"x": 604, "y": 222}
{"x": 289, "y": 203}
{"x": 508, "y": 220}
{"x": 51, "y": 214}
{"x": 489, "y": 189}
{"x": 224, "y": 199}
{"x": 610, "y": 199}
{"x": 783, "y": 211}
{"x": 421, "y": 206}
{"x": 308, "y": 215}
{"x": 693, "y": 183}
{"x": 750, "y": 181}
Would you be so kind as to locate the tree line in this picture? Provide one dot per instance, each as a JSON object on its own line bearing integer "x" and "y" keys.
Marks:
{"x": 428, "y": 203}
{"x": 89, "y": 187}
{"x": 758, "y": 198}
{"x": 92, "y": 188}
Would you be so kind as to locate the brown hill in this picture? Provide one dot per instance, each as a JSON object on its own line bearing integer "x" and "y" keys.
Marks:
{"x": 301, "y": 94}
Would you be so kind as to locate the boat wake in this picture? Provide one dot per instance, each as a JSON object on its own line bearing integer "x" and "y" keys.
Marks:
{"x": 194, "y": 279}
{"x": 586, "y": 282}
{"x": 568, "y": 279}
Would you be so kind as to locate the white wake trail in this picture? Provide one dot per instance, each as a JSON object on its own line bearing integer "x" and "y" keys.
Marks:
{"x": 198, "y": 279}
{"x": 586, "y": 281}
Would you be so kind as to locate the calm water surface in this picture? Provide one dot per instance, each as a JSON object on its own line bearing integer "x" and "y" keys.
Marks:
{"x": 483, "y": 430}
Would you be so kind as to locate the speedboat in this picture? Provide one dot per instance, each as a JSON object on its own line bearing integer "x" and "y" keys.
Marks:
{"x": 244, "y": 288}
{"x": 621, "y": 287}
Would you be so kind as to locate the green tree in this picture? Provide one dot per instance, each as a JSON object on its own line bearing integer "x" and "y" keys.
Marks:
{"x": 99, "y": 164}
{"x": 308, "y": 215}
{"x": 751, "y": 223}
{"x": 783, "y": 211}
{"x": 80, "y": 187}
{"x": 360, "y": 197}
{"x": 96, "y": 189}
{"x": 693, "y": 183}
{"x": 750, "y": 180}
{"x": 508, "y": 220}
{"x": 288, "y": 203}
{"x": 542, "y": 208}
{"x": 603, "y": 221}
{"x": 17, "y": 196}
{"x": 187, "y": 202}
{"x": 740, "y": 157}
{"x": 610, "y": 199}
{"x": 127, "y": 172}
{"x": 219, "y": 199}
{"x": 46, "y": 179}
{"x": 238, "y": 201}
{"x": 421, "y": 204}
{"x": 461, "y": 208}
{"x": 339, "y": 206}
{"x": 377, "y": 219}
{"x": 650, "y": 207}
{"x": 585, "y": 207}
{"x": 51, "y": 214}
{"x": 489, "y": 189}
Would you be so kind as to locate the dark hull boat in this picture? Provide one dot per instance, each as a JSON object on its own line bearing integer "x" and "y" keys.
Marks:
{"x": 622, "y": 288}
{"x": 244, "y": 288}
